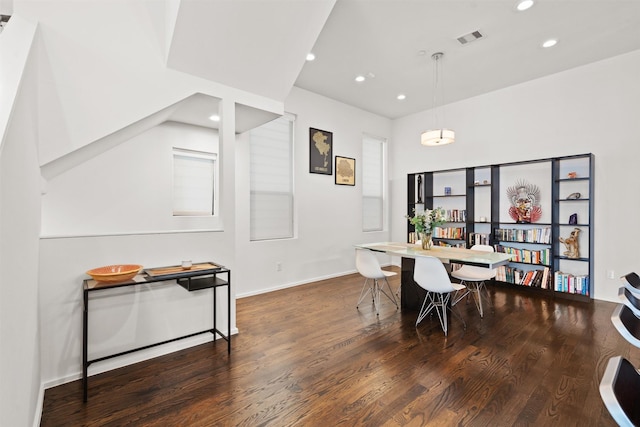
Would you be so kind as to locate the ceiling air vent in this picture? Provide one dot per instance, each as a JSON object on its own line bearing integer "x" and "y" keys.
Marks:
{"x": 471, "y": 37}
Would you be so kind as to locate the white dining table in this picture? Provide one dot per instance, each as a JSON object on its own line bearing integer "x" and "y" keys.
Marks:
{"x": 412, "y": 295}
{"x": 445, "y": 254}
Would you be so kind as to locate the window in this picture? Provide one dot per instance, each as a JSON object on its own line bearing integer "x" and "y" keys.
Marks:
{"x": 372, "y": 183}
{"x": 271, "y": 185}
{"x": 194, "y": 175}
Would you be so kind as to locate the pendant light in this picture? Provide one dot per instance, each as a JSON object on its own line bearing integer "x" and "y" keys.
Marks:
{"x": 439, "y": 135}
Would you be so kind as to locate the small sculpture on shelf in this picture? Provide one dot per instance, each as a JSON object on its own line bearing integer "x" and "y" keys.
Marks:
{"x": 574, "y": 196}
{"x": 525, "y": 202}
{"x": 573, "y": 219}
{"x": 419, "y": 188}
{"x": 571, "y": 243}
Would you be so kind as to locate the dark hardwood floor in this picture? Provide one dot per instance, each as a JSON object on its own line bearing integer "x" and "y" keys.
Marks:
{"x": 306, "y": 356}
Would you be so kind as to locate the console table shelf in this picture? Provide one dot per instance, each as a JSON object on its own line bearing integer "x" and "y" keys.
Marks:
{"x": 202, "y": 276}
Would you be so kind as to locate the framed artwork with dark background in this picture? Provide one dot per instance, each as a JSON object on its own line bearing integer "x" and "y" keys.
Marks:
{"x": 320, "y": 151}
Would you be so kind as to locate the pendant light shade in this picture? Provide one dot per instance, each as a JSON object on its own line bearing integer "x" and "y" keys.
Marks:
{"x": 439, "y": 135}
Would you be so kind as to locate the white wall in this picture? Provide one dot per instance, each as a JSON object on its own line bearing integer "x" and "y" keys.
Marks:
{"x": 117, "y": 209}
{"x": 587, "y": 109}
{"x": 329, "y": 219}
{"x": 127, "y": 189}
{"x": 20, "y": 392}
{"x": 120, "y": 320}
{"x": 95, "y": 81}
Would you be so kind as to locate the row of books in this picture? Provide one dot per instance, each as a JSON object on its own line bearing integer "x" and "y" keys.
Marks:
{"x": 564, "y": 282}
{"x": 528, "y": 235}
{"x": 449, "y": 233}
{"x": 414, "y": 237}
{"x": 528, "y": 256}
{"x": 456, "y": 215}
{"x": 450, "y": 245}
{"x": 532, "y": 278}
{"x": 478, "y": 239}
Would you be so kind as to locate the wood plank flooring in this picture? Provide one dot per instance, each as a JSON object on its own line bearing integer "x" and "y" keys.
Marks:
{"x": 306, "y": 356}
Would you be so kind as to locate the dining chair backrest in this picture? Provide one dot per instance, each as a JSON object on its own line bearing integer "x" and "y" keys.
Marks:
{"x": 629, "y": 299}
{"x": 367, "y": 264}
{"x": 619, "y": 389}
{"x": 429, "y": 273}
{"x": 627, "y": 324}
{"x": 632, "y": 282}
{"x": 481, "y": 270}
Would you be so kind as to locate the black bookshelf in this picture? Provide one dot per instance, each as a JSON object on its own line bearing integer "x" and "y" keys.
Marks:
{"x": 560, "y": 183}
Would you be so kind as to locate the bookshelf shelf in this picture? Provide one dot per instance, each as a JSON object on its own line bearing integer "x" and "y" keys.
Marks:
{"x": 485, "y": 207}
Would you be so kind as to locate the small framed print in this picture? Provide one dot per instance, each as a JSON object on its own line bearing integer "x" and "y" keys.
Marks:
{"x": 320, "y": 151}
{"x": 345, "y": 171}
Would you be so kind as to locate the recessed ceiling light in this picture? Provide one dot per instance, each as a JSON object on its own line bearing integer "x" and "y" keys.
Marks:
{"x": 524, "y": 5}
{"x": 401, "y": 97}
{"x": 550, "y": 43}
{"x": 360, "y": 79}
{"x": 310, "y": 56}
{"x": 214, "y": 118}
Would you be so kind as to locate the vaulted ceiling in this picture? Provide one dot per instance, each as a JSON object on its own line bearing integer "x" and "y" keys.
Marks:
{"x": 260, "y": 46}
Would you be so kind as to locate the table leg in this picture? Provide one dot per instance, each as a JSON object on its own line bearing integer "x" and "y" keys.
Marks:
{"x": 85, "y": 326}
{"x": 229, "y": 312}
{"x": 215, "y": 291}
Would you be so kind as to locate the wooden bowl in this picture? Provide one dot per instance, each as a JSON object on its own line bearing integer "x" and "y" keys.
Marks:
{"x": 114, "y": 273}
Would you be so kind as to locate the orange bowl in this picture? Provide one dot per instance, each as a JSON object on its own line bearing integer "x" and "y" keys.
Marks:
{"x": 114, "y": 273}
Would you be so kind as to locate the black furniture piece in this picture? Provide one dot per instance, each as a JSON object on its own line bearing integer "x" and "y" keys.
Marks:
{"x": 476, "y": 198}
{"x": 207, "y": 277}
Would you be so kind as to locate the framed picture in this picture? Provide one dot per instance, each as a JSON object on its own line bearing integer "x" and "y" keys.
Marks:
{"x": 320, "y": 151}
{"x": 345, "y": 171}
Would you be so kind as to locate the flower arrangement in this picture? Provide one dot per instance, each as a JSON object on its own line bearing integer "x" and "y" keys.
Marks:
{"x": 425, "y": 222}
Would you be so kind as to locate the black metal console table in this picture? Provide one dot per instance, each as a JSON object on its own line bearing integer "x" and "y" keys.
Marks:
{"x": 191, "y": 280}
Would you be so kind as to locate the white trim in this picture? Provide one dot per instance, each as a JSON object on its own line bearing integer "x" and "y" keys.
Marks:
{"x": 132, "y": 358}
{"x": 299, "y": 283}
{"x": 129, "y": 233}
{"x": 37, "y": 416}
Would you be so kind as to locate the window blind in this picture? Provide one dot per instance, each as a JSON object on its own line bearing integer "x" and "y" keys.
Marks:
{"x": 193, "y": 182}
{"x": 271, "y": 202}
{"x": 372, "y": 183}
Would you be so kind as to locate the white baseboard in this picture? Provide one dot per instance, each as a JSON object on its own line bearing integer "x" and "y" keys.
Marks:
{"x": 37, "y": 417}
{"x": 293, "y": 284}
{"x": 130, "y": 359}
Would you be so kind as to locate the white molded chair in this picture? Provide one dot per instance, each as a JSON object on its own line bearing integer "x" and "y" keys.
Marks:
{"x": 619, "y": 389}
{"x": 430, "y": 275}
{"x": 369, "y": 267}
{"x": 474, "y": 278}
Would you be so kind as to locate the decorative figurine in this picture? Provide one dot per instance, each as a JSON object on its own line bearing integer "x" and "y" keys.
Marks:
{"x": 572, "y": 175}
{"x": 573, "y": 219}
{"x": 525, "y": 199}
{"x": 574, "y": 196}
{"x": 571, "y": 244}
{"x": 419, "y": 188}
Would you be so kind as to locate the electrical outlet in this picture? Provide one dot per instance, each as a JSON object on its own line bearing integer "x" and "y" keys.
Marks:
{"x": 278, "y": 266}
{"x": 611, "y": 274}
